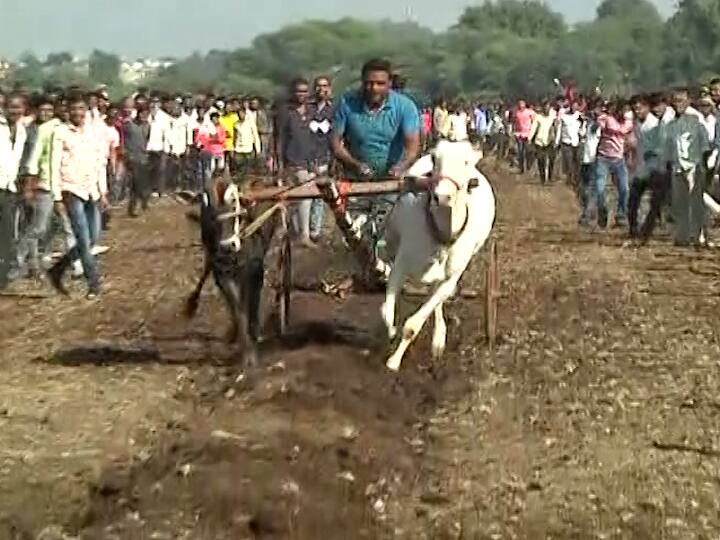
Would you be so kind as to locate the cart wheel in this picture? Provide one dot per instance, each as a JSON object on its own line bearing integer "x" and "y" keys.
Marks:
{"x": 283, "y": 292}
{"x": 492, "y": 292}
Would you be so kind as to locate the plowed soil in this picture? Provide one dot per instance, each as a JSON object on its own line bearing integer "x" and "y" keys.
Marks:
{"x": 596, "y": 416}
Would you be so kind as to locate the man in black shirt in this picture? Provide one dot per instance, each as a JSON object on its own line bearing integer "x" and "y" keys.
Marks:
{"x": 136, "y": 133}
{"x": 297, "y": 149}
{"x": 321, "y": 127}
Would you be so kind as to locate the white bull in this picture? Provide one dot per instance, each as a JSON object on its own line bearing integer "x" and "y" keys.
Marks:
{"x": 432, "y": 236}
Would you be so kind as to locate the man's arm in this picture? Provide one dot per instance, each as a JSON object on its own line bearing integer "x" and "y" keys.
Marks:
{"x": 533, "y": 129}
{"x": 33, "y": 162}
{"x": 257, "y": 144}
{"x": 339, "y": 127}
{"x": 278, "y": 141}
{"x": 342, "y": 153}
{"x": 412, "y": 150}
{"x": 57, "y": 151}
{"x": 410, "y": 127}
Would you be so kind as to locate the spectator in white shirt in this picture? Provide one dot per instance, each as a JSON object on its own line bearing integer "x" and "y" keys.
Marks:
{"x": 158, "y": 144}
{"x": 590, "y": 139}
{"x": 648, "y": 163}
{"x": 707, "y": 109}
{"x": 12, "y": 144}
{"x": 177, "y": 145}
{"x": 248, "y": 146}
{"x": 568, "y": 138}
{"x": 456, "y": 124}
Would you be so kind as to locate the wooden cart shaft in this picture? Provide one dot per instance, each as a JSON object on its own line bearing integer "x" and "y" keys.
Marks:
{"x": 349, "y": 188}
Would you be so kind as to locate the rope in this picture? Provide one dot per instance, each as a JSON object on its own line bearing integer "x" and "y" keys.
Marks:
{"x": 257, "y": 224}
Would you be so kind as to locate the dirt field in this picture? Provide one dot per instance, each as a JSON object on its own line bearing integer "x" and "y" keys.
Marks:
{"x": 596, "y": 417}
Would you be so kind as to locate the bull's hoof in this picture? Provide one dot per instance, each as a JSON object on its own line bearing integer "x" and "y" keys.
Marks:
{"x": 250, "y": 357}
{"x": 191, "y": 306}
{"x": 231, "y": 336}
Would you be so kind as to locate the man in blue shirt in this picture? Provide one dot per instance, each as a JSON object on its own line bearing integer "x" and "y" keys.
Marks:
{"x": 376, "y": 131}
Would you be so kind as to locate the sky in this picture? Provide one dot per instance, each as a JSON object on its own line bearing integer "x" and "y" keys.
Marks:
{"x": 179, "y": 27}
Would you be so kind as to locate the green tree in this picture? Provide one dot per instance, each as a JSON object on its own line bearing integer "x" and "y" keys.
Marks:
{"x": 524, "y": 18}
{"x": 58, "y": 59}
{"x": 104, "y": 67}
{"x": 692, "y": 41}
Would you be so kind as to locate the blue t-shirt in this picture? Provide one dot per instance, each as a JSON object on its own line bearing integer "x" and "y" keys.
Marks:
{"x": 376, "y": 138}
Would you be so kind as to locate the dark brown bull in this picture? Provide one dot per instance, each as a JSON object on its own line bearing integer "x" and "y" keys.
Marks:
{"x": 238, "y": 274}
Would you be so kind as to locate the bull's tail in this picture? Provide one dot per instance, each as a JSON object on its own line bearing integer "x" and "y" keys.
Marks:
{"x": 193, "y": 301}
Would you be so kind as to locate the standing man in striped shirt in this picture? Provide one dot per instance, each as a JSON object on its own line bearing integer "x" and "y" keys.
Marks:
{"x": 76, "y": 152}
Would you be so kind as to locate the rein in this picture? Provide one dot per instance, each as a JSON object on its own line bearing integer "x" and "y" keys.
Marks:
{"x": 432, "y": 224}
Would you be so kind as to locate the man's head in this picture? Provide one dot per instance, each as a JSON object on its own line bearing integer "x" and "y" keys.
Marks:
{"x": 376, "y": 79}
{"x": 254, "y": 104}
{"x": 78, "y": 108}
{"x": 300, "y": 89}
{"x": 92, "y": 99}
{"x": 45, "y": 109}
{"x": 103, "y": 101}
{"x": 398, "y": 82}
{"x": 706, "y": 105}
{"x": 143, "y": 115}
{"x": 641, "y": 107}
{"x": 167, "y": 103}
{"x": 111, "y": 115}
{"x": 128, "y": 106}
{"x": 141, "y": 101}
{"x": 547, "y": 107}
{"x": 242, "y": 113}
{"x": 215, "y": 118}
{"x": 61, "y": 111}
{"x": 522, "y": 105}
{"x": 658, "y": 104}
{"x": 715, "y": 90}
{"x": 323, "y": 88}
{"x": 680, "y": 100}
{"x": 16, "y": 107}
{"x": 2, "y": 103}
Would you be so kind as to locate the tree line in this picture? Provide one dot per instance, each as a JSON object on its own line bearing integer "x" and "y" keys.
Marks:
{"x": 502, "y": 48}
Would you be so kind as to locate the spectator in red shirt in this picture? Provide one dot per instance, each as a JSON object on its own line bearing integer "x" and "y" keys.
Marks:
{"x": 211, "y": 140}
{"x": 522, "y": 123}
{"x": 615, "y": 128}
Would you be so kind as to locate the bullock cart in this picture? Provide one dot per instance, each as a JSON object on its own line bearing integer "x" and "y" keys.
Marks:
{"x": 363, "y": 245}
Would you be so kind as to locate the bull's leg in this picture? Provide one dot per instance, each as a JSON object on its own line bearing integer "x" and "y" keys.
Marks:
{"x": 414, "y": 324}
{"x": 191, "y": 304}
{"x": 255, "y": 280}
{"x": 439, "y": 334}
{"x": 392, "y": 290}
{"x": 231, "y": 295}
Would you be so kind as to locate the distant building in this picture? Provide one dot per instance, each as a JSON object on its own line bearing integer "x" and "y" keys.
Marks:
{"x": 5, "y": 69}
{"x": 136, "y": 71}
